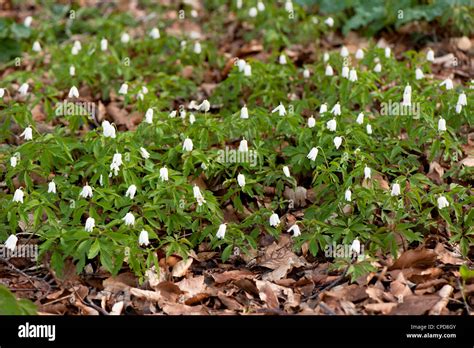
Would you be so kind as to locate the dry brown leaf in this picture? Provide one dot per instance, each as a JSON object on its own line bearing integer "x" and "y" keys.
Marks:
{"x": 383, "y": 308}
{"x": 468, "y": 161}
{"x": 182, "y": 309}
{"x": 153, "y": 296}
{"x": 267, "y": 295}
{"x": 415, "y": 305}
{"x": 232, "y": 275}
{"x": 230, "y": 302}
{"x": 436, "y": 173}
{"x": 415, "y": 258}
{"x": 192, "y": 286}
{"x": 181, "y": 267}
{"x": 445, "y": 294}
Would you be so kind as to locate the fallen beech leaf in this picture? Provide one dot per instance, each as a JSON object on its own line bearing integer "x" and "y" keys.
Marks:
{"x": 229, "y": 302}
{"x": 415, "y": 305}
{"x": 468, "y": 161}
{"x": 436, "y": 173}
{"x": 267, "y": 295}
{"x": 444, "y": 293}
{"x": 384, "y": 308}
{"x": 415, "y": 258}
{"x": 192, "y": 286}
{"x": 248, "y": 286}
{"x": 180, "y": 268}
{"x": 182, "y": 309}
{"x": 146, "y": 294}
{"x": 117, "y": 308}
{"x": 232, "y": 275}
{"x": 196, "y": 299}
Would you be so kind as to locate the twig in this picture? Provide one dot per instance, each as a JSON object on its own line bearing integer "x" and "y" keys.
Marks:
{"x": 325, "y": 308}
{"x": 331, "y": 285}
{"x": 468, "y": 309}
{"x": 10, "y": 265}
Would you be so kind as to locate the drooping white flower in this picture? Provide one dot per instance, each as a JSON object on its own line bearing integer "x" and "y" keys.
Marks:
{"x": 221, "y": 231}
{"x": 247, "y": 70}
{"x": 348, "y": 195}
{"x": 244, "y": 112}
{"x": 395, "y": 189}
{"x": 448, "y": 83}
{"x": 18, "y": 195}
{"x": 329, "y": 21}
{"x": 11, "y": 241}
{"x": 462, "y": 99}
{"x": 164, "y": 174}
{"x": 155, "y": 33}
{"x": 27, "y": 133}
{"x": 442, "y": 202}
{"x": 241, "y": 180}
{"x": 359, "y": 54}
{"x": 378, "y": 68}
{"x": 123, "y": 89}
{"x": 188, "y": 145}
{"x": 13, "y": 161}
{"x": 458, "y": 108}
{"x": 149, "y": 116}
{"x": 311, "y": 122}
{"x": 419, "y": 74}
{"x": 281, "y": 110}
{"x": 2, "y": 92}
{"x": 367, "y": 173}
{"x": 282, "y": 59}
{"x": 329, "y": 70}
{"x": 313, "y": 153}
{"x": 289, "y": 6}
{"x": 442, "y": 125}
{"x": 260, "y": 6}
{"x": 345, "y": 72}
{"x": 344, "y": 51}
{"x": 407, "y": 95}
{"x": 197, "y": 48}
{"x": 205, "y": 106}
{"x": 198, "y": 196}
{"x": 27, "y": 22}
{"x": 129, "y": 219}
{"x": 337, "y": 142}
{"x": 360, "y": 118}
{"x": 75, "y": 50}
{"x": 90, "y": 224}
{"x": 125, "y": 38}
{"x": 296, "y": 230}
{"x": 52, "y": 187}
{"x": 306, "y": 73}
{"x": 72, "y": 70}
{"x": 241, "y": 63}
{"x": 336, "y": 110}
{"x": 331, "y": 125}
{"x": 173, "y": 113}
{"x": 274, "y": 220}
{"x": 355, "y": 246}
{"x": 104, "y": 44}
{"x": 23, "y": 90}
{"x": 131, "y": 191}
{"x": 116, "y": 163}
{"x": 387, "y": 52}
{"x": 108, "y": 129}
{"x": 430, "y": 55}
{"x": 77, "y": 44}
{"x": 286, "y": 171}
{"x": 73, "y": 92}
{"x": 143, "y": 238}
{"x": 36, "y": 47}
{"x": 369, "y": 129}
{"x": 144, "y": 153}
{"x": 353, "y": 75}
{"x": 86, "y": 192}
{"x": 239, "y": 4}
{"x": 192, "y": 118}
{"x": 101, "y": 180}
{"x": 243, "y": 146}
{"x": 323, "y": 108}
{"x": 325, "y": 57}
